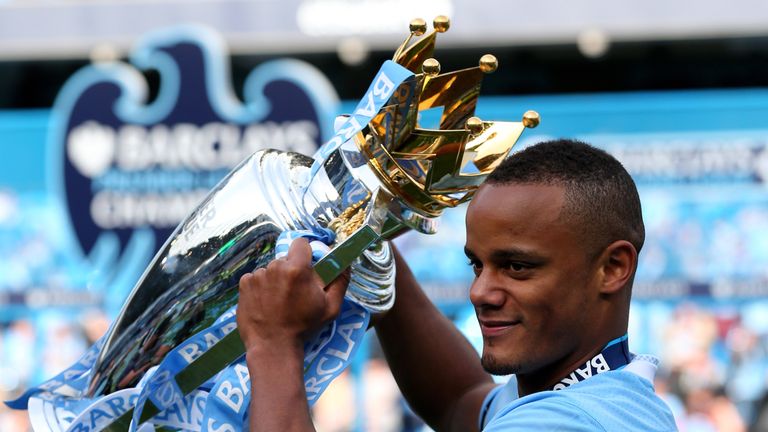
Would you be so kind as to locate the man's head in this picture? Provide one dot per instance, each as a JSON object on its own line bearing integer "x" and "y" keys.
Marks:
{"x": 553, "y": 236}
{"x": 601, "y": 197}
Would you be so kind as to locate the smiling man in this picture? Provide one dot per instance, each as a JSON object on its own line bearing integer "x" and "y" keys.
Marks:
{"x": 553, "y": 238}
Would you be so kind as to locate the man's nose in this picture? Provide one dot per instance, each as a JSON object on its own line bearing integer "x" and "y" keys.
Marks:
{"x": 486, "y": 290}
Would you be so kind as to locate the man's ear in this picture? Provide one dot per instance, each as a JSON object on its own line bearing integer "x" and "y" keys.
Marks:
{"x": 618, "y": 262}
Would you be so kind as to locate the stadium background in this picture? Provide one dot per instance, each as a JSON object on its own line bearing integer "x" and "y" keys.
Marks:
{"x": 678, "y": 92}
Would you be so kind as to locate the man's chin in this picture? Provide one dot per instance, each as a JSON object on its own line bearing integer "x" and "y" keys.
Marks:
{"x": 495, "y": 366}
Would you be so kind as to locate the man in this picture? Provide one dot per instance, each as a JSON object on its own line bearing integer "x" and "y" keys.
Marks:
{"x": 553, "y": 238}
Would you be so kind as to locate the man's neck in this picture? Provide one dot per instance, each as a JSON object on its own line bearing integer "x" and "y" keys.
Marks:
{"x": 547, "y": 377}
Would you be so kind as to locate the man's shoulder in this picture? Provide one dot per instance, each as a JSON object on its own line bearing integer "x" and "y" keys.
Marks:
{"x": 543, "y": 411}
{"x": 622, "y": 400}
{"x": 616, "y": 400}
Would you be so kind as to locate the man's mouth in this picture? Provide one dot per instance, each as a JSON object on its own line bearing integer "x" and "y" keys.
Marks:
{"x": 491, "y": 328}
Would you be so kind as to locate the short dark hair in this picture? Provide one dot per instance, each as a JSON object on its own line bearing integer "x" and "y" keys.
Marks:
{"x": 600, "y": 195}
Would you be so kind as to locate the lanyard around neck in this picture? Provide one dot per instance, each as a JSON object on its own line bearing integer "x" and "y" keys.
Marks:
{"x": 614, "y": 356}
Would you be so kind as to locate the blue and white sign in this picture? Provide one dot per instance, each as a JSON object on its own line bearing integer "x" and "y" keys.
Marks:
{"x": 128, "y": 169}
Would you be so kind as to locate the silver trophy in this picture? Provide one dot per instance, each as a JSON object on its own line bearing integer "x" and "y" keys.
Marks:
{"x": 390, "y": 177}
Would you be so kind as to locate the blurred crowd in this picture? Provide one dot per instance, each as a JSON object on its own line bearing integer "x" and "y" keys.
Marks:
{"x": 714, "y": 368}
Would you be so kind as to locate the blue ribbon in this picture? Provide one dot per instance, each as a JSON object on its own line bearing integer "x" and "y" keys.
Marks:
{"x": 98, "y": 415}
{"x": 70, "y": 382}
{"x": 161, "y": 387}
{"x": 383, "y": 87}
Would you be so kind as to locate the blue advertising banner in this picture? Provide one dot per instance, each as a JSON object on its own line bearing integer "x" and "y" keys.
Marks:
{"x": 127, "y": 170}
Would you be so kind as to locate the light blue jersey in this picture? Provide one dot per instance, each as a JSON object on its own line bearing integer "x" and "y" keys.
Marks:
{"x": 616, "y": 400}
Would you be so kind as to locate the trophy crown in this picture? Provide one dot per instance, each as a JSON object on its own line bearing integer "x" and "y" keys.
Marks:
{"x": 437, "y": 168}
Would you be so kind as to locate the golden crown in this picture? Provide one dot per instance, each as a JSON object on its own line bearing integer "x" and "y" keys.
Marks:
{"x": 437, "y": 168}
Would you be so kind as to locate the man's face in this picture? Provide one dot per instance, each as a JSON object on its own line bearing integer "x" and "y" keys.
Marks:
{"x": 535, "y": 285}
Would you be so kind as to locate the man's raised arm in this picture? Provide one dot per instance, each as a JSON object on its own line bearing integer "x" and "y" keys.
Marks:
{"x": 436, "y": 368}
{"x": 278, "y": 306}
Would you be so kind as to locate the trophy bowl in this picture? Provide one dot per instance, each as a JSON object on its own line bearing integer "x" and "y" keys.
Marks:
{"x": 193, "y": 279}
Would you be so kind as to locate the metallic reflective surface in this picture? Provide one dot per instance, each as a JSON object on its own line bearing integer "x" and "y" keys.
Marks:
{"x": 488, "y": 63}
{"x": 441, "y": 23}
{"x": 531, "y": 119}
{"x": 193, "y": 279}
{"x": 430, "y": 67}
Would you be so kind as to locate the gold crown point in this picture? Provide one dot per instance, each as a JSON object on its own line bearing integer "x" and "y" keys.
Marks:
{"x": 430, "y": 67}
{"x": 428, "y": 165}
{"x": 441, "y": 23}
{"x": 531, "y": 119}
{"x": 418, "y": 26}
{"x": 488, "y": 63}
{"x": 474, "y": 126}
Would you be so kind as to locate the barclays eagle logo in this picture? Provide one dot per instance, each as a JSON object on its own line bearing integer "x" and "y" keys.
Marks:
{"x": 128, "y": 170}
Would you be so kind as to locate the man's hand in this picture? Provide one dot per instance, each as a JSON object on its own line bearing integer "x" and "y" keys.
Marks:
{"x": 286, "y": 300}
{"x": 279, "y": 306}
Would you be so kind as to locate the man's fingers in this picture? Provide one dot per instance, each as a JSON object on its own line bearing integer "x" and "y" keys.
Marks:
{"x": 341, "y": 280}
{"x": 300, "y": 252}
{"x": 245, "y": 280}
{"x": 335, "y": 294}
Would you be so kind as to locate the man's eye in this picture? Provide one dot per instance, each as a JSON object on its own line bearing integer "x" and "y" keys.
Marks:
{"x": 476, "y": 266}
{"x": 516, "y": 266}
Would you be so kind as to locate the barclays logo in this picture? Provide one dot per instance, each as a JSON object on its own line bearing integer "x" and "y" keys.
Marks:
{"x": 127, "y": 170}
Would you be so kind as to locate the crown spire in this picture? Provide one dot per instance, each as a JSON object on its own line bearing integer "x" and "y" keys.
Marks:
{"x": 437, "y": 168}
